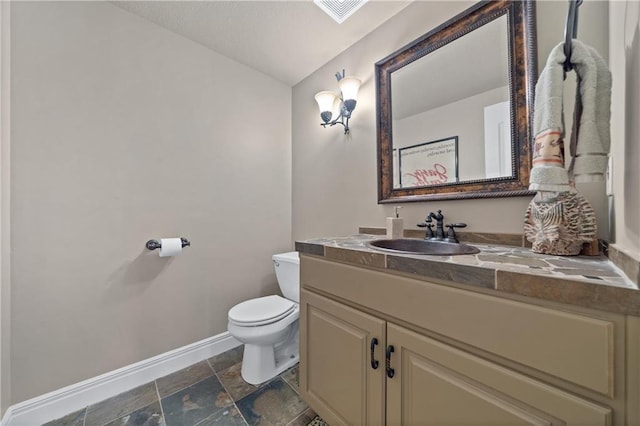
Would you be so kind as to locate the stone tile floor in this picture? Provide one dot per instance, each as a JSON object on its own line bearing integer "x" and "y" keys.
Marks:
{"x": 210, "y": 392}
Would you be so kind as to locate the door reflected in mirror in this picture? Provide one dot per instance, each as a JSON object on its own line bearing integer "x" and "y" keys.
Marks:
{"x": 454, "y": 107}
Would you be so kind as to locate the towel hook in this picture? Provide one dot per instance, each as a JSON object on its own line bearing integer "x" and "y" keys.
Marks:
{"x": 570, "y": 31}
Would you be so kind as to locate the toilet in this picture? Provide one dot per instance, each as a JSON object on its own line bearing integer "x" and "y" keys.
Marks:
{"x": 268, "y": 326}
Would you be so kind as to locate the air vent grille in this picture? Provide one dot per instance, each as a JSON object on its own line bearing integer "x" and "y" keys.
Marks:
{"x": 339, "y": 10}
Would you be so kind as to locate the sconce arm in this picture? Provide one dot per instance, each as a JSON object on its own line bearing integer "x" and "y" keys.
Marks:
{"x": 342, "y": 119}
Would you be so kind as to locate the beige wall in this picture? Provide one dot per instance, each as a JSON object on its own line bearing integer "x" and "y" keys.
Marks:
{"x": 624, "y": 44}
{"x": 122, "y": 132}
{"x": 5, "y": 226}
{"x": 334, "y": 177}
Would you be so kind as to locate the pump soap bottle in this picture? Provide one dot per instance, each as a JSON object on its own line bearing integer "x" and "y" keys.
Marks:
{"x": 395, "y": 226}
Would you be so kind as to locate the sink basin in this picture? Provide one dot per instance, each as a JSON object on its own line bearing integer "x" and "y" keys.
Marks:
{"x": 416, "y": 246}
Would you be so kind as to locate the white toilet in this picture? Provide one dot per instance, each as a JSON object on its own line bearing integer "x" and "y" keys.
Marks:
{"x": 268, "y": 326}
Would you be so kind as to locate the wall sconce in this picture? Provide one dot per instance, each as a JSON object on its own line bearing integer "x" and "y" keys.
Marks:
{"x": 330, "y": 103}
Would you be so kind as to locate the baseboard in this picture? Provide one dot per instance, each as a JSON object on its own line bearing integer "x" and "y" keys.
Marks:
{"x": 8, "y": 416}
{"x": 61, "y": 402}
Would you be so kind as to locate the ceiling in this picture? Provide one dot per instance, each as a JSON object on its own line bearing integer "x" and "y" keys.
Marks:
{"x": 287, "y": 40}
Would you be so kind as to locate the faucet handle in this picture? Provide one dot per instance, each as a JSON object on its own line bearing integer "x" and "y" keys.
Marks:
{"x": 457, "y": 225}
{"x": 428, "y": 220}
{"x": 427, "y": 223}
{"x": 438, "y": 216}
{"x": 429, "y": 227}
{"x": 451, "y": 234}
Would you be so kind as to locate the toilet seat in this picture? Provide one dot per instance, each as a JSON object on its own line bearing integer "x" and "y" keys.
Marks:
{"x": 261, "y": 311}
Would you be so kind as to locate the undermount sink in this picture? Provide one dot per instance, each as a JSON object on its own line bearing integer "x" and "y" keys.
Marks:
{"x": 416, "y": 246}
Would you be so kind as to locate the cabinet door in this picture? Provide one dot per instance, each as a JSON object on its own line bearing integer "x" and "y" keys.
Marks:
{"x": 337, "y": 378}
{"x": 437, "y": 384}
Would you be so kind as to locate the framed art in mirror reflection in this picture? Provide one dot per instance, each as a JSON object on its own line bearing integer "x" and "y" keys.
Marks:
{"x": 428, "y": 163}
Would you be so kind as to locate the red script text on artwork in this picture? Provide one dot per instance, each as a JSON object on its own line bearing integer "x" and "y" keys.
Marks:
{"x": 434, "y": 176}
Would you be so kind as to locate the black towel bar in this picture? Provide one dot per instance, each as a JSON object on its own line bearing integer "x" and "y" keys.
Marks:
{"x": 570, "y": 32}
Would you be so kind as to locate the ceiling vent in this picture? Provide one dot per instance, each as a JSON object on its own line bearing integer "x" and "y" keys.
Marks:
{"x": 339, "y": 10}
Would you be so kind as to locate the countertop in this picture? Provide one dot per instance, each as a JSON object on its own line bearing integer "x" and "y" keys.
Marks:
{"x": 588, "y": 281}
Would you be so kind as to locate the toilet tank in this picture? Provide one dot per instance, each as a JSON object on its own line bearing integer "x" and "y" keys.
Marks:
{"x": 288, "y": 273}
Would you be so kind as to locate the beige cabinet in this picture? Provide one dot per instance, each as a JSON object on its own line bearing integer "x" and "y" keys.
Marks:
{"x": 342, "y": 373}
{"x": 436, "y": 380}
{"x": 437, "y": 384}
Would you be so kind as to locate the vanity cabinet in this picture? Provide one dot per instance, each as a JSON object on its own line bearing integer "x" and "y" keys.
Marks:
{"x": 458, "y": 356}
{"x": 341, "y": 343}
{"x": 438, "y": 384}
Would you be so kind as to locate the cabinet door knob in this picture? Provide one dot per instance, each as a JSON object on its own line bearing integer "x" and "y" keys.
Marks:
{"x": 390, "y": 371}
{"x": 374, "y": 362}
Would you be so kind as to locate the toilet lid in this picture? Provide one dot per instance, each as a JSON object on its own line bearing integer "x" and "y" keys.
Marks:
{"x": 261, "y": 311}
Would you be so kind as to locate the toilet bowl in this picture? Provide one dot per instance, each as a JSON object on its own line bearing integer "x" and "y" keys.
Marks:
{"x": 268, "y": 326}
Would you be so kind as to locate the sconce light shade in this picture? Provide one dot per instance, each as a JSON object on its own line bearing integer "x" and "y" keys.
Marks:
{"x": 349, "y": 87}
{"x": 325, "y": 101}
{"x": 331, "y": 104}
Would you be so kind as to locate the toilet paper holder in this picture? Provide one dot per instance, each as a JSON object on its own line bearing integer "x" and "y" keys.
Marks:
{"x": 155, "y": 244}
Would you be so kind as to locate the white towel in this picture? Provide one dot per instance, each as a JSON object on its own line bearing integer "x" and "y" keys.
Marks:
{"x": 590, "y": 136}
{"x": 548, "y": 172}
{"x": 591, "y": 142}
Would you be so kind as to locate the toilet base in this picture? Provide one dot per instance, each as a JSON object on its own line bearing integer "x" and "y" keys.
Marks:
{"x": 261, "y": 363}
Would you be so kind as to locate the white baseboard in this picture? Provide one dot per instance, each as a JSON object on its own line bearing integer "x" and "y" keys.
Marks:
{"x": 61, "y": 402}
{"x": 8, "y": 416}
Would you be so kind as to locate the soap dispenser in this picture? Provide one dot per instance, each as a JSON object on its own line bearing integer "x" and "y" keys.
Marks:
{"x": 395, "y": 225}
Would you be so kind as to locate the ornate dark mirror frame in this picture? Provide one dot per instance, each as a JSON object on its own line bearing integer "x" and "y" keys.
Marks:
{"x": 522, "y": 77}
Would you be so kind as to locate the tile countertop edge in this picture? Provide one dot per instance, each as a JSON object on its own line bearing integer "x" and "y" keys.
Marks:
{"x": 469, "y": 275}
{"x": 602, "y": 297}
{"x": 626, "y": 262}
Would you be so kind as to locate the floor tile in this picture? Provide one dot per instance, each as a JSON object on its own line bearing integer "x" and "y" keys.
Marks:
{"x": 183, "y": 378}
{"x": 303, "y": 419}
{"x": 228, "y": 417}
{"x": 121, "y": 405}
{"x": 318, "y": 421}
{"x": 195, "y": 403}
{"x": 196, "y": 396}
{"x": 227, "y": 359}
{"x": 73, "y": 419}
{"x": 291, "y": 376}
{"x": 148, "y": 416}
{"x": 232, "y": 380}
{"x": 274, "y": 404}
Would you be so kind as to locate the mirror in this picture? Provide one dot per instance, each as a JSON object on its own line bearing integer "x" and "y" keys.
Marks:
{"x": 454, "y": 108}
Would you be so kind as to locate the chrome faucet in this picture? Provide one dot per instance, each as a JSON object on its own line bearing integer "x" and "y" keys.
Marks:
{"x": 439, "y": 232}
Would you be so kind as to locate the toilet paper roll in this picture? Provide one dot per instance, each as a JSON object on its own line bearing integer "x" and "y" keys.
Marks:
{"x": 170, "y": 247}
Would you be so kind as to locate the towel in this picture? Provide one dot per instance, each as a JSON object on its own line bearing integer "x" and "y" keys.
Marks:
{"x": 590, "y": 136}
{"x": 548, "y": 172}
